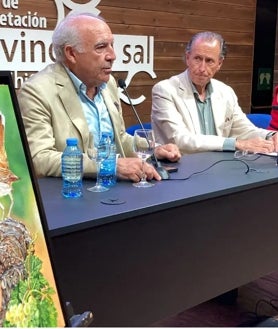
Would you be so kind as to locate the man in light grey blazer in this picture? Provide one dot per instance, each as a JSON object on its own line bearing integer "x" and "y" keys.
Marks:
{"x": 78, "y": 97}
{"x": 199, "y": 113}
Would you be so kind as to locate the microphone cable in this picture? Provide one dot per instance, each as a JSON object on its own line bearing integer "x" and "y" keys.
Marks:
{"x": 161, "y": 171}
{"x": 248, "y": 169}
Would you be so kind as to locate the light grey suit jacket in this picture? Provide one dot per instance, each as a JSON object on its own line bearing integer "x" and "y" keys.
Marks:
{"x": 52, "y": 112}
{"x": 175, "y": 116}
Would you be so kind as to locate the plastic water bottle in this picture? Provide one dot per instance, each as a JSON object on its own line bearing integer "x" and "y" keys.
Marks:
{"x": 72, "y": 170}
{"x": 107, "y": 173}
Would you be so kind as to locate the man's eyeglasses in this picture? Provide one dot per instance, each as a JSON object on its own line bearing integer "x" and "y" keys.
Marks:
{"x": 251, "y": 156}
{"x": 246, "y": 155}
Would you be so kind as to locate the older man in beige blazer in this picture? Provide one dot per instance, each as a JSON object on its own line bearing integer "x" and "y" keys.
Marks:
{"x": 77, "y": 97}
{"x": 52, "y": 113}
{"x": 199, "y": 113}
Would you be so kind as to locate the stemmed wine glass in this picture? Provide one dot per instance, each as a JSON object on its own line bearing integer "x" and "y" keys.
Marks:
{"x": 143, "y": 145}
{"x": 98, "y": 154}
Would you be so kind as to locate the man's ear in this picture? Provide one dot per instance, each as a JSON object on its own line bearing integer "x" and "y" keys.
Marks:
{"x": 186, "y": 56}
{"x": 221, "y": 60}
{"x": 70, "y": 54}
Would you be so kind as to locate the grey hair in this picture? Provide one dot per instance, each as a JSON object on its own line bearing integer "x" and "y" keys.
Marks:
{"x": 67, "y": 33}
{"x": 209, "y": 36}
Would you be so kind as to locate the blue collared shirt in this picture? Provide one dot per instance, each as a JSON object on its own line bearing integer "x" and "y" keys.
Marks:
{"x": 95, "y": 111}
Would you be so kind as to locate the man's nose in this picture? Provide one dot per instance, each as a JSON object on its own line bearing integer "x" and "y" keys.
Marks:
{"x": 111, "y": 54}
{"x": 203, "y": 64}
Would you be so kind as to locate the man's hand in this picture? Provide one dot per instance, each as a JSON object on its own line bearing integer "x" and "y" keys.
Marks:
{"x": 131, "y": 168}
{"x": 168, "y": 151}
{"x": 258, "y": 145}
{"x": 274, "y": 138}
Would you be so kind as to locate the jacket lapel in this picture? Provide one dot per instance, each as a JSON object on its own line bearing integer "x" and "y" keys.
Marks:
{"x": 218, "y": 110}
{"x": 190, "y": 109}
{"x": 71, "y": 103}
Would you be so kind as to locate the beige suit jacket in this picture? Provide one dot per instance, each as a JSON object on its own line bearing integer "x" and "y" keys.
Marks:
{"x": 175, "y": 116}
{"x": 52, "y": 112}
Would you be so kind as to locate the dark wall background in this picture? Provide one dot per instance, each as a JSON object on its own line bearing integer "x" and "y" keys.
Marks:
{"x": 264, "y": 56}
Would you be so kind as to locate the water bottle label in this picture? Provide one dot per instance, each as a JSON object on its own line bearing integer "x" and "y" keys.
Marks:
{"x": 72, "y": 167}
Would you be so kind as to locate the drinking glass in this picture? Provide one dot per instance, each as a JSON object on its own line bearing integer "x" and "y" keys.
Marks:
{"x": 98, "y": 154}
{"x": 143, "y": 145}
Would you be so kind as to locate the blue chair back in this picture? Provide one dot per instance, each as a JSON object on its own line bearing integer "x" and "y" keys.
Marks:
{"x": 260, "y": 120}
{"x": 130, "y": 130}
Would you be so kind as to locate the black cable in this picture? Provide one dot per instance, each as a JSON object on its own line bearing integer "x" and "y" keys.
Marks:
{"x": 255, "y": 317}
{"x": 268, "y": 303}
{"x": 215, "y": 163}
{"x": 274, "y": 306}
{"x": 259, "y": 302}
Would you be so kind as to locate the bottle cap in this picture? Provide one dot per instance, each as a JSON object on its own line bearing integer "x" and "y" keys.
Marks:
{"x": 72, "y": 141}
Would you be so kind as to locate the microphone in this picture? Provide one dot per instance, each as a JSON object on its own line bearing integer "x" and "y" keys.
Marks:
{"x": 163, "y": 173}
